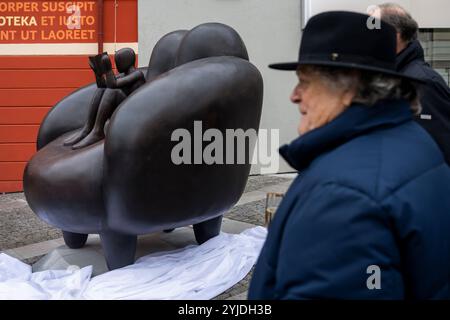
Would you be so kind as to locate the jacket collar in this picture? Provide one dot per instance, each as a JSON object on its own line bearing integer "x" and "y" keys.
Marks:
{"x": 413, "y": 51}
{"x": 357, "y": 120}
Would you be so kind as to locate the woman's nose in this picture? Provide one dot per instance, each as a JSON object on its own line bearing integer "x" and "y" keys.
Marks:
{"x": 295, "y": 96}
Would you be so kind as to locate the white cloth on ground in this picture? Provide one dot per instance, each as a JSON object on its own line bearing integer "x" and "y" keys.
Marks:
{"x": 17, "y": 282}
{"x": 196, "y": 272}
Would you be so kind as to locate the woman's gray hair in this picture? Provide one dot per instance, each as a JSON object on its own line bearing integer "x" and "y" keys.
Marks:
{"x": 370, "y": 86}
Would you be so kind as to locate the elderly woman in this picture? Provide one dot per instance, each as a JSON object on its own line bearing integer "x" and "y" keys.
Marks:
{"x": 369, "y": 215}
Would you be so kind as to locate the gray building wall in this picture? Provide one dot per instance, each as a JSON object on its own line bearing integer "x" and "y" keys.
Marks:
{"x": 270, "y": 30}
{"x": 429, "y": 13}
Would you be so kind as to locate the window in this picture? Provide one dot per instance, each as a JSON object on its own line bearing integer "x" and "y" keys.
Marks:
{"x": 436, "y": 44}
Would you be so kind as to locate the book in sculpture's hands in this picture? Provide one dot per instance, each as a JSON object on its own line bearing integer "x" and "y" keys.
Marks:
{"x": 97, "y": 65}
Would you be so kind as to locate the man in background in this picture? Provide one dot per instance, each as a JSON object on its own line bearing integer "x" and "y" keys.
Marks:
{"x": 435, "y": 94}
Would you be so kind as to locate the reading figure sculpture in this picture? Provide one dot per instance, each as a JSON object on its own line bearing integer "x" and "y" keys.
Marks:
{"x": 126, "y": 183}
{"x": 111, "y": 92}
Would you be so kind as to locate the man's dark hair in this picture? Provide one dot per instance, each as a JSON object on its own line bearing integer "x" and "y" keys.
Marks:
{"x": 403, "y": 22}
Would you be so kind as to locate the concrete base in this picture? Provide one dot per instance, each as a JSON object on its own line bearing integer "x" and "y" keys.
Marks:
{"x": 91, "y": 254}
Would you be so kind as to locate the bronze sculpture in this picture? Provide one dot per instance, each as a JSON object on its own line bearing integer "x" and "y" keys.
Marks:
{"x": 126, "y": 184}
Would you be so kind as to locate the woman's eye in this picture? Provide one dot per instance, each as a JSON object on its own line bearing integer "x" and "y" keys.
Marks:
{"x": 303, "y": 84}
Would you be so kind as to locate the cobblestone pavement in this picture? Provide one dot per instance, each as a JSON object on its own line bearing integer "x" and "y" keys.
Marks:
{"x": 252, "y": 212}
{"x": 19, "y": 226}
{"x": 258, "y": 182}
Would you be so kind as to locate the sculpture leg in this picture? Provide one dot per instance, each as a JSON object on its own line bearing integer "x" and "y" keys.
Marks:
{"x": 74, "y": 240}
{"x": 208, "y": 229}
{"x": 119, "y": 248}
{"x": 110, "y": 101}
{"x": 93, "y": 108}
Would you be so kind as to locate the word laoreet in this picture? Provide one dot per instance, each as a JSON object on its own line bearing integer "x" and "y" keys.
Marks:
{"x": 75, "y": 34}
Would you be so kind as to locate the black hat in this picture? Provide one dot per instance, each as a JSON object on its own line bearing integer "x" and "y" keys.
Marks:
{"x": 348, "y": 39}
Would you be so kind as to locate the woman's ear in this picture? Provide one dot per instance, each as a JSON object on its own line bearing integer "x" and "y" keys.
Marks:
{"x": 350, "y": 93}
{"x": 347, "y": 97}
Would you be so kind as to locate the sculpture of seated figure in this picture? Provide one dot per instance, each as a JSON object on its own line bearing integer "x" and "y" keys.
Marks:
{"x": 127, "y": 184}
{"x": 111, "y": 91}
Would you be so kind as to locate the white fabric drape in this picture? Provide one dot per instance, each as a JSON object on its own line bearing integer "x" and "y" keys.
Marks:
{"x": 194, "y": 272}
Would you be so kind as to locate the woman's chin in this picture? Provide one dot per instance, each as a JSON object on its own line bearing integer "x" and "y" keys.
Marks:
{"x": 302, "y": 129}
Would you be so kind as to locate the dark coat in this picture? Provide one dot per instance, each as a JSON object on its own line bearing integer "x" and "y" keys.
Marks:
{"x": 374, "y": 190}
{"x": 435, "y": 95}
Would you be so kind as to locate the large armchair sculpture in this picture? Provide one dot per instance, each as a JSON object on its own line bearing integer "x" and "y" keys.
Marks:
{"x": 127, "y": 184}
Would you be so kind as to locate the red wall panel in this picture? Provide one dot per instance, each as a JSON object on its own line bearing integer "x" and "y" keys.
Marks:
{"x": 16, "y": 152}
{"x": 18, "y": 133}
{"x": 44, "y": 78}
{"x": 11, "y": 170}
{"x": 31, "y": 84}
{"x": 22, "y": 115}
{"x": 11, "y": 186}
{"x": 32, "y": 97}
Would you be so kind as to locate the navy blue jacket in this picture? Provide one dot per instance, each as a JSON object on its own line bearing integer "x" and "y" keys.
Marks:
{"x": 435, "y": 95}
{"x": 374, "y": 191}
